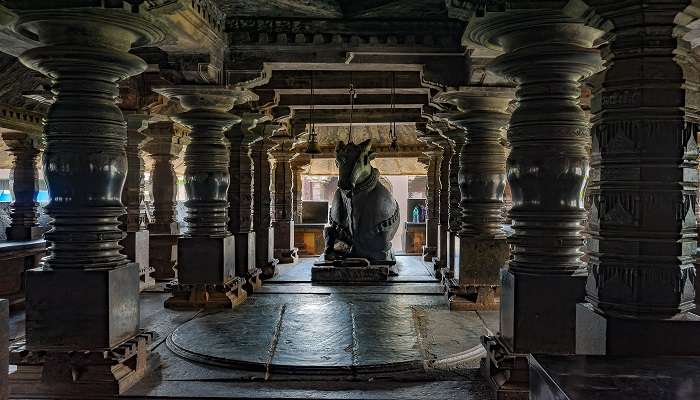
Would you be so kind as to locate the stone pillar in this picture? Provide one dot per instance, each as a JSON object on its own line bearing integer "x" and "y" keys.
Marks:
{"x": 547, "y": 53}
{"x": 4, "y": 345}
{"x": 164, "y": 147}
{"x": 298, "y": 165}
{"x": 82, "y": 307}
{"x": 454, "y": 215}
{"x": 432, "y": 199}
{"x": 133, "y": 222}
{"x": 23, "y": 211}
{"x": 643, "y": 189}
{"x": 264, "y": 235}
{"x": 213, "y": 284}
{"x": 282, "y": 199}
{"x": 482, "y": 176}
{"x": 240, "y": 199}
{"x": 440, "y": 262}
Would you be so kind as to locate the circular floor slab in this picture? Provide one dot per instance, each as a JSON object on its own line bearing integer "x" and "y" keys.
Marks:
{"x": 331, "y": 337}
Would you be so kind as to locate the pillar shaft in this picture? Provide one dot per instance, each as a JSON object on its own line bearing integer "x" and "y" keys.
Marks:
{"x": 297, "y": 169}
{"x": 25, "y": 149}
{"x": 85, "y": 51}
{"x": 454, "y": 221}
{"x": 432, "y": 200}
{"x": 282, "y": 201}
{"x": 261, "y": 207}
{"x": 643, "y": 188}
{"x": 212, "y": 284}
{"x": 442, "y": 253}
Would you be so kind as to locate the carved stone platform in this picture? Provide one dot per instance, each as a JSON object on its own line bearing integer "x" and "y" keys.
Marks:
{"x": 351, "y": 270}
{"x": 613, "y": 378}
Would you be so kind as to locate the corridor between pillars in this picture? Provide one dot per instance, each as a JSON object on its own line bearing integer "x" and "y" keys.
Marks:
{"x": 211, "y": 284}
{"x": 483, "y": 250}
{"x": 85, "y": 51}
{"x": 547, "y": 53}
{"x": 240, "y": 198}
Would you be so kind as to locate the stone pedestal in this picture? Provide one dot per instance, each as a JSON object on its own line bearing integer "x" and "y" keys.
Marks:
{"x": 349, "y": 274}
{"x": 82, "y": 305}
{"x": 4, "y": 345}
{"x": 264, "y": 235}
{"x": 282, "y": 199}
{"x": 164, "y": 146}
{"x": 206, "y": 263}
{"x": 480, "y": 264}
{"x": 25, "y": 149}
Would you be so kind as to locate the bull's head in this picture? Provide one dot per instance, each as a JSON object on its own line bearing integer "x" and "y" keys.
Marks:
{"x": 353, "y": 163}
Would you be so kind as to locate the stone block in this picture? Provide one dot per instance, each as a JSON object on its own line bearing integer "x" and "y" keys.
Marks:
{"x": 62, "y": 305}
{"x": 599, "y": 334}
{"x": 331, "y": 273}
{"x": 162, "y": 256}
{"x": 136, "y": 248}
{"x": 538, "y": 311}
{"x": 4, "y": 345}
{"x": 481, "y": 261}
{"x": 205, "y": 260}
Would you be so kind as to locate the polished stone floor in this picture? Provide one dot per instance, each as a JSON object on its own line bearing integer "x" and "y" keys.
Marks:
{"x": 297, "y": 340}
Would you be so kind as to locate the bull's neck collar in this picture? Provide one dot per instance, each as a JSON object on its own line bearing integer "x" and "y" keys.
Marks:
{"x": 366, "y": 185}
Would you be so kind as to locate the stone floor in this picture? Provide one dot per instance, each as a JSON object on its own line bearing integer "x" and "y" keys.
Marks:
{"x": 297, "y": 340}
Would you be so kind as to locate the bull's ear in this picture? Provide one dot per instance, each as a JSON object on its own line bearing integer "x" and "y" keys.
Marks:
{"x": 340, "y": 146}
{"x": 365, "y": 146}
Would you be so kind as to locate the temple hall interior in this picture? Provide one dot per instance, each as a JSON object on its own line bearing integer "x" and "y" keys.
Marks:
{"x": 349, "y": 199}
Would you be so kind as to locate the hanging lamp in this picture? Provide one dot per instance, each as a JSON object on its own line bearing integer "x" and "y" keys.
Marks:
{"x": 393, "y": 134}
{"x": 312, "y": 146}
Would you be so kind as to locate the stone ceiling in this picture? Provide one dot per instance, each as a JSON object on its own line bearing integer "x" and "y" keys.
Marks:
{"x": 336, "y": 9}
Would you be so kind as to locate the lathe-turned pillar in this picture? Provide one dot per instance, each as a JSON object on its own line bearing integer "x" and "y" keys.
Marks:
{"x": 282, "y": 199}
{"x": 298, "y": 164}
{"x": 454, "y": 215}
{"x": 25, "y": 149}
{"x": 211, "y": 284}
{"x": 482, "y": 175}
{"x": 240, "y": 200}
{"x": 547, "y": 53}
{"x": 82, "y": 308}
{"x": 264, "y": 235}
{"x": 164, "y": 146}
{"x": 432, "y": 199}
{"x": 133, "y": 222}
{"x": 440, "y": 260}
{"x": 644, "y": 177}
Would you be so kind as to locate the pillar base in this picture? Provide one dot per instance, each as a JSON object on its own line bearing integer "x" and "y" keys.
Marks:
{"x": 194, "y": 297}
{"x": 62, "y": 305}
{"x": 481, "y": 261}
{"x": 206, "y": 260}
{"x": 4, "y": 345}
{"x": 136, "y": 249}
{"x": 506, "y": 373}
{"x": 73, "y": 374}
{"x": 538, "y": 311}
{"x": 24, "y": 233}
{"x": 429, "y": 252}
{"x": 599, "y": 334}
{"x": 245, "y": 253}
{"x": 269, "y": 269}
{"x": 476, "y": 298}
{"x": 162, "y": 256}
{"x": 286, "y": 256}
{"x": 253, "y": 281}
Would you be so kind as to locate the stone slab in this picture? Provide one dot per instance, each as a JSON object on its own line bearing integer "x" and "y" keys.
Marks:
{"x": 371, "y": 273}
{"x": 614, "y": 378}
{"x": 204, "y": 260}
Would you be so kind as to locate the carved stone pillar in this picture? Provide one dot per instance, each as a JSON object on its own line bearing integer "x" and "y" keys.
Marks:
{"x": 643, "y": 189}
{"x": 164, "y": 147}
{"x": 547, "y": 53}
{"x": 23, "y": 211}
{"x": 440, "y": 262}
{"x": 240, "y": 198}
{"x": 4, "y": 345}
{"x": 282, "y": 200}
{"x": 264, "y": 235}
{"x": 212, "y": 284}
{"x": 298, "y": 165}
{"x": 133, "y": 222}
{"x": 454, "y": 221}
{"x": 482, "y": 175}
{"x": 82, "y": 309}
{"x": 432, "y": 197}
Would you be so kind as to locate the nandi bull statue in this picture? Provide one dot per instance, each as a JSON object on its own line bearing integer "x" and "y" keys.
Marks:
{"x": 364, "y": 216}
